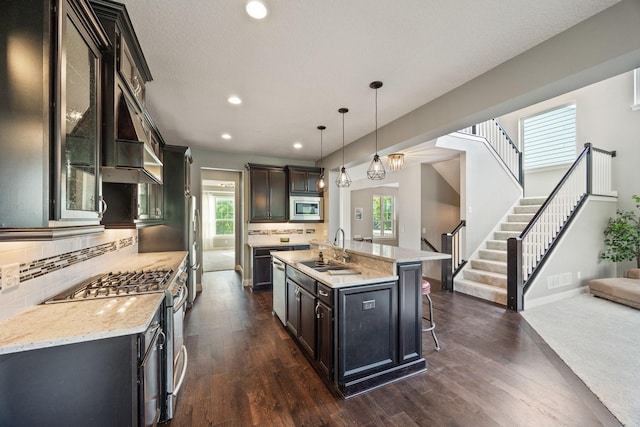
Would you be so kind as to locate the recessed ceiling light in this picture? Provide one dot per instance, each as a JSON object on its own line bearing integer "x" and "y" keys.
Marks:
{"x": 297, "y": 145}
{"x": 256, "y": 9}
{"x": 234, "y": 100}
{"x": 226, "y": 136}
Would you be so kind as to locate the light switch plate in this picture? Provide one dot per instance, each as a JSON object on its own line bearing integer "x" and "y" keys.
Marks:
{"x": 10, "y": 276}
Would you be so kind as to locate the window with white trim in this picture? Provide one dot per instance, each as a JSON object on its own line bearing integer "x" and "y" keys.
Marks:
{"x": 549, "y": 138}
{"x": 383, "y": 217}
{"x": 636, "y": 90}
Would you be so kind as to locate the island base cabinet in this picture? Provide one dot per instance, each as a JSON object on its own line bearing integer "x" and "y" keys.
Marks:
{"x": 367, "y": 330}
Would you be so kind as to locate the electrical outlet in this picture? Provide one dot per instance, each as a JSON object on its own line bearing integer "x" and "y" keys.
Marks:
{"x": 10, "y": 276}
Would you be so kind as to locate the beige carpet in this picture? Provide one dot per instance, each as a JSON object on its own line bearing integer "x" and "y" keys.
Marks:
{"x": 218, "y": 260}
{"x": 600, "y": 341}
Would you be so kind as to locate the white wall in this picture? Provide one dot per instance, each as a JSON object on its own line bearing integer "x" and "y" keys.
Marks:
{"x": 575, "y": 259}
{"x": 363, "y": 199}
{"x": 604, "y": 118}
{"x": 487, "y": 188}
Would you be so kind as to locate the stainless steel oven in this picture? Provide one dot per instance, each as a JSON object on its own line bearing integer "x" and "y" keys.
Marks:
{"x": 174, "y": 286}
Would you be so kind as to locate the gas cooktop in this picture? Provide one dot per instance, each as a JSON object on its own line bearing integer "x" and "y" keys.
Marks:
{"x": 118, "y": 284}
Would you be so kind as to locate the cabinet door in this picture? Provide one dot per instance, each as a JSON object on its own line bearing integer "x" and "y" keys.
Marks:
{"x": 278, "y": 199}
{"x": 297, "y": 181}
{"x": 79, "y": 122}
{"x": 324, "y": 350}
{"x": 292, "y": 307}
{"x": 259, "y": 194}
{"x": 312, "y": 181}
{"x": 410, "y": 309}
{"x": 367, "y": 329}
{"x": 307, "y": 322}
{"x": 262, "y": 272}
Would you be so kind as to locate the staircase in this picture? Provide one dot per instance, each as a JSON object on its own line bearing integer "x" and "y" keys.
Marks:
{"x": 485, "y": 275}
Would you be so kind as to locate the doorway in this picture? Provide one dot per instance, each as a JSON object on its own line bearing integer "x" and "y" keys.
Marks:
{"x": 220, "y": 219}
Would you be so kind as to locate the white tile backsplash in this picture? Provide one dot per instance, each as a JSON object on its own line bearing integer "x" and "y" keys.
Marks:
{"x": 35, "y": 290}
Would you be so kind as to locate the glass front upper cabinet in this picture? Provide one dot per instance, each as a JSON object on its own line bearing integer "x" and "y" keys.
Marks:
{"x": 78, "y": 156}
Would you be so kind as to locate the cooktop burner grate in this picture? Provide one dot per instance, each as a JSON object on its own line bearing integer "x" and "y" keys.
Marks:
{"x": 120, "y": 283}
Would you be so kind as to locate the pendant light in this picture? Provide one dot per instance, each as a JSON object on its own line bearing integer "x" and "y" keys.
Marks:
{"x": 396, "y": 160}
{"x": 376, "y": 168}
{"x": 321, "y": 184}
{"x": 343, "y": 179}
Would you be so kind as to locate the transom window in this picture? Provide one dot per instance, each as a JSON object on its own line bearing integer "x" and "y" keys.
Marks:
{"x": 383, "y": 216}
{"x": 549, "y": 138}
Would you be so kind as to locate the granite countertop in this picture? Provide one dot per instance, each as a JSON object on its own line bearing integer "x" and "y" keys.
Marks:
{"x": 385, "y": 252}
{"x": 68, "y": 322}
{"x": 367, "y": 275}
{"x": 63, "y": 323}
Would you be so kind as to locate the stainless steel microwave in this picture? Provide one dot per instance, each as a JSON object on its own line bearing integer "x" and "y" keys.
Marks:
{"x": 305, "y": 208}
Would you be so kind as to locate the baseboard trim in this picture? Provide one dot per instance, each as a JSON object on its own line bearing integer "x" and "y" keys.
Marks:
{"x": 532, "y": 303}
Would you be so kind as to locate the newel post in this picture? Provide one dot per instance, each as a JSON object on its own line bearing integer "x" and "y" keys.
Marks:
{"x": 447, "y": 264}
{"x": 515, "y": 288}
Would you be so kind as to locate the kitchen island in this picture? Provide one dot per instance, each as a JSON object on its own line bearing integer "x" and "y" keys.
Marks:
{"x": 359, "y": 323}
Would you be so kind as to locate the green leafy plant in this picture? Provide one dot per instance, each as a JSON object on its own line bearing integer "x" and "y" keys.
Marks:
{"x": 622, "y": 236}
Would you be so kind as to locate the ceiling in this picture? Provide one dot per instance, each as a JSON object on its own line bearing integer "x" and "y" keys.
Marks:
{"x": 306, "y": 59}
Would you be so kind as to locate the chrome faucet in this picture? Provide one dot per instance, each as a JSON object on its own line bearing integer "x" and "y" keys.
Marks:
{"x": 345, "y": 256}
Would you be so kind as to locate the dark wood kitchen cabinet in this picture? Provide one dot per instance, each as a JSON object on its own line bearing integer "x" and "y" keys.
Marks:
{"x": 269, "y": 197}
{"x": 51, "y": 146}
{"x": 262, "y": 271}
{"x": 301, "y": 309}
{"x": 303, "y": 180}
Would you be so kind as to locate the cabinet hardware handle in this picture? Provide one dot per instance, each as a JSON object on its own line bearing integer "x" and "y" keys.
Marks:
{"x": 103, "y": 207}
{"x": 323, "y": 293}
{"x": 316, "y": 310}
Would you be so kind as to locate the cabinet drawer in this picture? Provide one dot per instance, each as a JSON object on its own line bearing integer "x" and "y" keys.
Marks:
{"x": 302, "y": 279}
{"x": 325, "y": 294}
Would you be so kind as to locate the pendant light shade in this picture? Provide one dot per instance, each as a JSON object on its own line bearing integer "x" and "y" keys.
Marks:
{"x": 343, "y": 178}
{"x": 321, "y": 184}
{"x": 376, "y": 168}
{"x": 396, "y": 161}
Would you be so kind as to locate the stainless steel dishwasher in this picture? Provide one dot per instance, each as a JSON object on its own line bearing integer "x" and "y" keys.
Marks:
{"x": 279, "y": 289}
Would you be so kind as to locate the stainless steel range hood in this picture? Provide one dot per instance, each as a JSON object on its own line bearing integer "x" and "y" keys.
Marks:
{"x": 130, "y": 158}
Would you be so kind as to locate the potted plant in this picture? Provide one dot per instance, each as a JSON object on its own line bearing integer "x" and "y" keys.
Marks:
{"x": 622, "y": 236}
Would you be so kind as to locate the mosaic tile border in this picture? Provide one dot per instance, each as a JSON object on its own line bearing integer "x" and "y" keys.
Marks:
{"x": 282, "y": 231}
{"x": 43, "y": 266}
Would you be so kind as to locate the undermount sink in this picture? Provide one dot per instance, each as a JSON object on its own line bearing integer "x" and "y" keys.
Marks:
{"x": 320, "y": 266}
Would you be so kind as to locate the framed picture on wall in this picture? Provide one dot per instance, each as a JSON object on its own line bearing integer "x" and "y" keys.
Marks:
{"x": 357, "y": 214}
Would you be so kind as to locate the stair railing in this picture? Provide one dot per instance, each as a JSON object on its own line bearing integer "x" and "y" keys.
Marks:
{"x": 502, "y": 144}
{"x": 589, "y": 174}
{"x": 452, "y": 245}
{"x": 429, "y": 245}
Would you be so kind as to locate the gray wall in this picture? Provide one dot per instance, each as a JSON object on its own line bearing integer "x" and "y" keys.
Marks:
{"x": 439, "y": 210}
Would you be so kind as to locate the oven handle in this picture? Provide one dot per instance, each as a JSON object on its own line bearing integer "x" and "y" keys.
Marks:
{"x": 183, "y": 299}
{"x": 176, "y": 389}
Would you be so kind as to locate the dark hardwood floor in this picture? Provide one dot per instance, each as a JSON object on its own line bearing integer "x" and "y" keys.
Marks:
{"x": 493, "y": 370}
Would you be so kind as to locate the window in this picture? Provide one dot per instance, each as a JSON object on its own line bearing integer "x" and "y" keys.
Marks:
{"x": 218, "y": 210}
{"x": 549, "y": 138}
{"x": 636, "y": 90}
{"x": 224, "y": 216}
{"x": 383, "y": 217}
